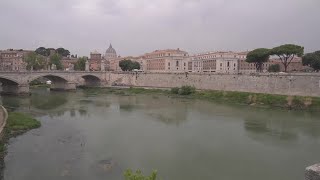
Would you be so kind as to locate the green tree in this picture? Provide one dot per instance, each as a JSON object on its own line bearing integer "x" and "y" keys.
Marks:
{"x": 258, "y": 57}
{"x": 63, "y": 52}
{"x": 129, "y": 175}
{"x": 80, "y": 64}
{"x": 56, "y": 59}
{"x": 35, "y": 61}
{"x": 128, "y": 65}
{"x": 286, "y": 53}
{"x": 42, "y": 51}
{"x": 274, "y": 68}
{"x": 135, "y": 65}
{"x": 312, "y": 60}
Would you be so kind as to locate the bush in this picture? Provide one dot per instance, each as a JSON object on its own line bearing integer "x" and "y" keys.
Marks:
{"x": 187, "y": 90}
{"x": 175, "y": 90}
{"x": 129, "y": 175}
{"x": 274, "y": 68}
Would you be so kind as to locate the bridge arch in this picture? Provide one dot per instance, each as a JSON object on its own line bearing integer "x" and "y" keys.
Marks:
{"x": 91, "y": 80}
{"x": 58, "y": 82}
{"x": 9, "y": 81}
{"x": 51, "y": 77}
{"x": 9, "y": 85}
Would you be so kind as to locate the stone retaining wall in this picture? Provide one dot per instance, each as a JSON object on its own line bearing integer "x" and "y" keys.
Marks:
{"x": 283, "y": 84}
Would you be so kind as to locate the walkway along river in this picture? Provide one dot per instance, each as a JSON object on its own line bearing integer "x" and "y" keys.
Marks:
{"x": 87, "y": 135}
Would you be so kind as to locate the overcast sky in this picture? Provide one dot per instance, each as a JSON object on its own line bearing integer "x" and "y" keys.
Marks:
{"x": 138, "y": 26}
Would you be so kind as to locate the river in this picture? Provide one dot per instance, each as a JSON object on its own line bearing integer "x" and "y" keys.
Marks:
{"x": 88, "y": 136}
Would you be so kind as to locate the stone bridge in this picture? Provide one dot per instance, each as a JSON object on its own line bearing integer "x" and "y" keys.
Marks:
{"x": 18, "y": 82}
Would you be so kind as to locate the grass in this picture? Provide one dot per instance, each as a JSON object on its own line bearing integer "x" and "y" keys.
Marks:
{"x": 21, "y": 122}
{"x": 244, "y": 98}
{"x": 17, "y": 123}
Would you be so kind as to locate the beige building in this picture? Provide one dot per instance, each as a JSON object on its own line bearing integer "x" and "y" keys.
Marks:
{"x": 13, "y": 60}
{"x": 235, "y": 62}
{"x": 170, "y": 60}
{"x": 207, "y": 62}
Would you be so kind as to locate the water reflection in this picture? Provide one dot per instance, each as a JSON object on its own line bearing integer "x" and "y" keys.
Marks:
{"x": 83, "y": 112}
{"x": 98, "y": 136}
{"x": 269, "y": 131}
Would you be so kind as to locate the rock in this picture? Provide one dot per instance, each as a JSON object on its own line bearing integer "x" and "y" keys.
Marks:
{"x": 313, "y": 172}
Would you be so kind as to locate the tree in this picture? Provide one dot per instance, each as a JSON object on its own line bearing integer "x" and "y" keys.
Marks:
{"x": 286, "y": 53}
{"x": 63, "y": 52}
{"x": 35, "y": 61}
{"x": 80, "y": 64}
{"x": 128, "y": 65}
{"x": 135, "y": 65}
{"x": 56, "y": 59}
{"x": 312, "y": 60}
{"x": 258, "y": 57}
{"x": 274, "y": 68}
{"x": 42, "y": 51}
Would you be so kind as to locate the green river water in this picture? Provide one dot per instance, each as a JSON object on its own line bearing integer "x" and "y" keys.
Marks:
{"x": 97, "y": 136}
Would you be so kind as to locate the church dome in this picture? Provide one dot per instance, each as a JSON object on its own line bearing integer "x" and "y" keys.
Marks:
{"x": 110, "y": 50}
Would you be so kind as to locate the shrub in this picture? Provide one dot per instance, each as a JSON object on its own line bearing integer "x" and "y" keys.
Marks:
{"x": 274, "y": 68}
{"x": 175, "y": 90}
{"x": 187, "y": 90}
{"x": 129, "y": 175}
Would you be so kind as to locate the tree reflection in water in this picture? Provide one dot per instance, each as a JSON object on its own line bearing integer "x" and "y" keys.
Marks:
{"x": 48, "y": 102}
{"x": 269, "y": 131}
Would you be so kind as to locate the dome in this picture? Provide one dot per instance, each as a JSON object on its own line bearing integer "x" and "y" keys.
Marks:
{"x": 110, "y": 53}
{"x": 110, "y": 50}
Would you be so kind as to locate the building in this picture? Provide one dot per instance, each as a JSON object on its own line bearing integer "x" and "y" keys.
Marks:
{"x": 95, "y": 61}
{"x": 111, "y": 59}
{"x": 295, "y": 65}
{"x": 110, "y": 53}
{"x": 169, "y": 60}
{"x": 218, "y": 61}
{"x": 68, "y": 63}
{"x": 13, "y": 60}
{"x": 224, "y": 62}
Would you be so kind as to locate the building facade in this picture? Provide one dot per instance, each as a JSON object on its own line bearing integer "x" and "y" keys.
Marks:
{"x": 95, "y": 61}
{"x": 233, "y": 62}
{"x": 68, "y": 63}
{"x": 13, "y": 60}
{"x": 170, "y": 60}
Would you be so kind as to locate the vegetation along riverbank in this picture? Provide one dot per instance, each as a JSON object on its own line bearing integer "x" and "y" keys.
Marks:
{"x": 17, "y": 123}
{"x": 243, "y": 98}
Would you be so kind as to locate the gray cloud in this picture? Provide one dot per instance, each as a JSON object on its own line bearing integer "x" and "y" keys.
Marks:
{"x": 139, "y": 26}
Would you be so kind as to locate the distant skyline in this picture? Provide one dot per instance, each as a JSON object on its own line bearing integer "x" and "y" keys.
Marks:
{"x": 135, "y": 27}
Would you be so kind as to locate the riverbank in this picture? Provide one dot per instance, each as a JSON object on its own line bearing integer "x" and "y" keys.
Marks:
{"x": 242, "y": 98}
{"x": 17, "y": 124}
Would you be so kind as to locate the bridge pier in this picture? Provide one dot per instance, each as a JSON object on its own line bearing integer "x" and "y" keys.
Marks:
{"x": 70, "y": 86}
{"x": 19, "y": 89}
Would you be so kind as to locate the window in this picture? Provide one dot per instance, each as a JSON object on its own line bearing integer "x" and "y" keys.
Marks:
{"x": 184, "y": 64}
{"x": 168, "y": 63}
{"x": 228, "y": 64}
{"x": 177, "y": 63}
